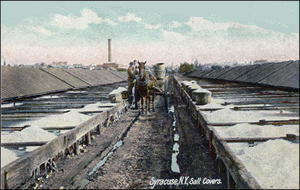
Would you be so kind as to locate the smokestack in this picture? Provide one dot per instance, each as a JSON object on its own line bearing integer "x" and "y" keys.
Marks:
{"x": 109, "y": 50}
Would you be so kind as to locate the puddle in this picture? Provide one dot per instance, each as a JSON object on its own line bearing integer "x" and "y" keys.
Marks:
{"x": 175, "y": 150}
{"x": 75, "y": 92}
{"x": 10, "y": 105}
{"x": 47, "y": 97}
{"x": 176, "y": 137}
{"x": 102, "y": 162}
{"x": 171, "y": 109}
{"x": 175, "y": 166}
{"x": 174, "y": 122}
{"x": 176, "y": 147}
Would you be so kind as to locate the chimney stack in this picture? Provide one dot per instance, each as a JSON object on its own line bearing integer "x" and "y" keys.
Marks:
{"x": 109, "y": 50}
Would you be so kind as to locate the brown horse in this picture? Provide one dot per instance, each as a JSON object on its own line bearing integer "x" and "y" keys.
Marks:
{"x": 142, "y": 83}
{"x": 146, "y": 87}
{"x": 152, "y": 88}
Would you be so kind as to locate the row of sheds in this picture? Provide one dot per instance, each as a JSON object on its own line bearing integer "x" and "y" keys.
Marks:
{"x": 281, "y": 74}
{"x": 19, "y": 82}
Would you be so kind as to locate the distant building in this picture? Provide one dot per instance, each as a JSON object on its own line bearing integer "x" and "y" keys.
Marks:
{"x": 26, "y": 66}
{"x": 40, "y": 65}
{"x": 86, "y": 66}
{"x": 60, "y": 64}
{"x": 108, "y": 65}
{"x": 77, "y": 65}
{"x": 260, "y": 61}
{"x": 98, "y": 67}
{"x": 122, "y": 66}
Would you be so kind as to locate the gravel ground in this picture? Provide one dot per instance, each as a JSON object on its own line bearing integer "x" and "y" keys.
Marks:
{"x": 145, "y": 153}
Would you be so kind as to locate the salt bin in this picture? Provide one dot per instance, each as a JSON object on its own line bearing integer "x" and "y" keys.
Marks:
{"x": 203, "y": 96}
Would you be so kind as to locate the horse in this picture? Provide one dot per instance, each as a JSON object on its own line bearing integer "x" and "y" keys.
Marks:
{"x": 142, "y": 84}
{"x": 146, "y": 87}
{"x": 151, "y": 89}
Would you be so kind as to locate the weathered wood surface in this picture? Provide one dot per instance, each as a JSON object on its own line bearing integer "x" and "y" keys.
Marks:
{"x": 22, "y": 169}
{"x": 261, "y": 122}
{"x": 241, "y": 176}
{"x": 257, "y": 139}
{"x": 23, "y": 144}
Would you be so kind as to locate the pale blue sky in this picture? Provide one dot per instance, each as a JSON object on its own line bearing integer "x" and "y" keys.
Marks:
{"x": 281, "y": 16}
{"x": 81, "y": 26}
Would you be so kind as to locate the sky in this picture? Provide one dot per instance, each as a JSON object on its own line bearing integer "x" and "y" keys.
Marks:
{"x": 172, "y": 32}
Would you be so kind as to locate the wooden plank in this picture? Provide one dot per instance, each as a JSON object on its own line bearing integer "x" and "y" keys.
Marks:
{"x": 23, "y": 144}
{"x": 264, "y": 108}
{"x": 209, "y": 109}
{"x": 87, "y": 112}
{"x": 12, "y": 112}
{"x": 261, "y": 122}
{"x": 58, "y": 128}
{"x": 250, "y": 139}
{"x": 46, "y": 106}
{"x": 45, "y": 128}
{"x": 14, "y": 128}
{"x": 18, "y": 118}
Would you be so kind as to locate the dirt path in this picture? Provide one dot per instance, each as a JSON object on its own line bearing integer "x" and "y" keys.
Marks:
{"x": 145, "y": 153}
{"x": 194, "y": 157}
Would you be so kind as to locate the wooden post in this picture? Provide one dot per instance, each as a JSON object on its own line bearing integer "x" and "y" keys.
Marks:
{"x": 88, "y": 138}
{"x": 65, "y": 140}
{"x": 99, "y": 128}
{"x": 107, "y": 117}
{"x": 38, "y": 170}
{"x": 5, "y": 180}
{"x": 76, "y": 148}
{"x": 230, "y": 181}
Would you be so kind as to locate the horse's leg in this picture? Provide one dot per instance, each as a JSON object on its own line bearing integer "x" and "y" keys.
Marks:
{"x": 142, "y": 103}
{"x": 153, "y": 96}
{"x": 148, "y": 103}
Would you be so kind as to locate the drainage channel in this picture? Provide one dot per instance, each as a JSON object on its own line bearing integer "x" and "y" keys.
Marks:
{"x": 102, "y": 162}
{"x": 118, "y": 144}
{"x": 175, "y": 151}
{"x": 85, "y": 181}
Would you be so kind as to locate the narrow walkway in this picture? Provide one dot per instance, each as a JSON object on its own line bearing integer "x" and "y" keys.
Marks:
{"x": 194, "y": 157}
{"x": 145, "y": 153}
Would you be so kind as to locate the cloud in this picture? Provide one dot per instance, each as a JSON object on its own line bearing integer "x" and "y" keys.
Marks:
{"x": 42, "y": 30}
{"x": 109, "y": 22}
{"x": 152, "y": 26}
{"x": 201, "y": 24}
{"x": 79, "y": 22}
{"x": 275, "y": 23}
{"x": 132, "y": 17}
{"x": 129, "y": 17}
{"x": 173, "y": 37}
{"x": 175, "y": 24}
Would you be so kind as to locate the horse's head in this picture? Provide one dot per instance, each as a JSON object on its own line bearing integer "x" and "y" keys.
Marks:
{"x": 142, "y": 71}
